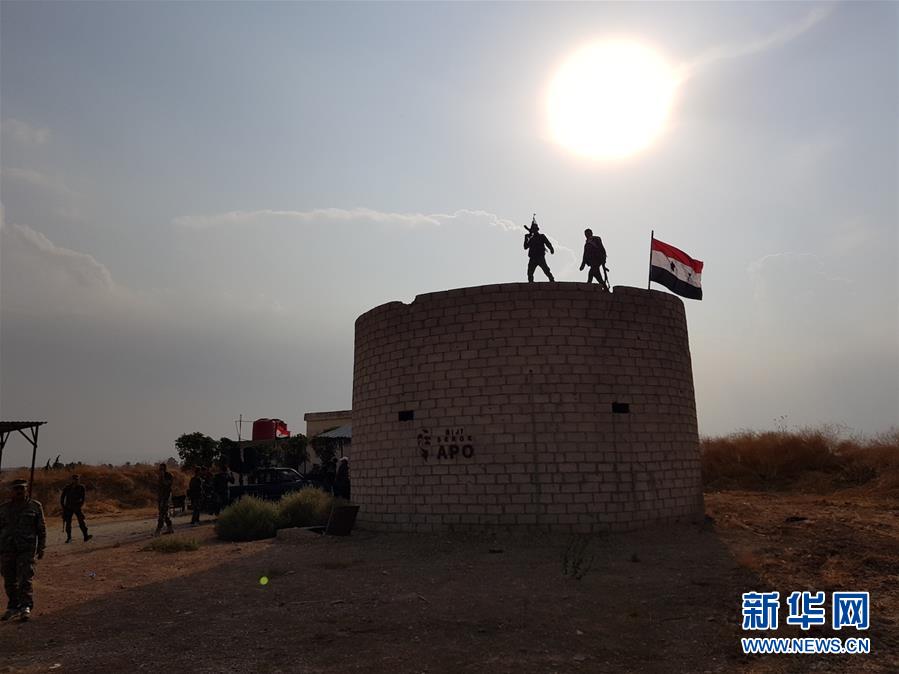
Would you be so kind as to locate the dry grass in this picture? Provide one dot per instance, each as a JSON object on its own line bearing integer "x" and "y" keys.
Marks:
{"x": 811, "y": 460}
{"x": 173, "y": 544}
{"x": 109, "y": 489}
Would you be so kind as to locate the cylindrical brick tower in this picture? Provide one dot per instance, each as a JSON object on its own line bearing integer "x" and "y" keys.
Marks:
{"x": 552, "y": 406}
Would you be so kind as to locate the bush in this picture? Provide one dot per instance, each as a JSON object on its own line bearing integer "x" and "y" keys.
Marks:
{"x": 173, "y": 545}
{"x": 249, "y": 519}
{"x": 807, "y": 460}
{"x": 305, "y": 508}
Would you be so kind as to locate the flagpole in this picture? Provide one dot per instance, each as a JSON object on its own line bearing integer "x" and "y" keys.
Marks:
{"x": 652, "y": 235}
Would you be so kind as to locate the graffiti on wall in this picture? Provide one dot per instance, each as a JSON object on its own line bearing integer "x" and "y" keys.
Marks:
{"x": 447, "y": 444}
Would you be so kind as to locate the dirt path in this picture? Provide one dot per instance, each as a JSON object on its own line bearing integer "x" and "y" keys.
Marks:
{"x": 661, "y": 600}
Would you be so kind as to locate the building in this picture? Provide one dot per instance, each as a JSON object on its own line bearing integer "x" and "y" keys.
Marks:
{"x": 551, "y": 406}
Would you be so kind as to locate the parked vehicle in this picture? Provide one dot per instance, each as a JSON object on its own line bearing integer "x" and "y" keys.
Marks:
{"x": 271, "y": 484}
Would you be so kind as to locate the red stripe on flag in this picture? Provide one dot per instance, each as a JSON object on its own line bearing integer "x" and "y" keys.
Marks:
{"x": 677, "y": 254}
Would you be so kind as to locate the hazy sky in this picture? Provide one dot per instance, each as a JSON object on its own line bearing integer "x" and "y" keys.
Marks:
{"x": 200, "y": 198}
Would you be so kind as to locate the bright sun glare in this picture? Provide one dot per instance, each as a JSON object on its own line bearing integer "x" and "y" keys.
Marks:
{"x": 610, "y": 100}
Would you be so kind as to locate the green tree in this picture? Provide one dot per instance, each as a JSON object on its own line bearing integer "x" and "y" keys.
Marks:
{"x": 293, "y": 451}
{"x": 196, "y": 449}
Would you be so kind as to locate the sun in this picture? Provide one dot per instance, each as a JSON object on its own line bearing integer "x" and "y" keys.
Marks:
{"x": 610, "y": 99}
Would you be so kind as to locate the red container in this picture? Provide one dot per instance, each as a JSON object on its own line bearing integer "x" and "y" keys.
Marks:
{"x": 269, "y": 429}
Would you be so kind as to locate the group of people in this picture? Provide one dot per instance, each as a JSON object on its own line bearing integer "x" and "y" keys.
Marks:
{"x": 594, "y": 258}
{"x": 206, "y": 491}
{"x": 332, "y": 476}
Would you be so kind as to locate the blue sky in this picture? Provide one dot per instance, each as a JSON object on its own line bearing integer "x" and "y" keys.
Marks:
{"x": 200, "y": 198}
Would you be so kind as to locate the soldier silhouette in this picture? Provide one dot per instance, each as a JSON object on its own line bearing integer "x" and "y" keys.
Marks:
{"x": 594, "y": 258}
{"x": 536, "y": 244}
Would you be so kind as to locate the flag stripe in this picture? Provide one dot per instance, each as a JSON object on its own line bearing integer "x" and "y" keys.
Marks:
{"x": 676, "y": 254}
{"x": 674, "y": 284}
{"x": 676, "y": 268}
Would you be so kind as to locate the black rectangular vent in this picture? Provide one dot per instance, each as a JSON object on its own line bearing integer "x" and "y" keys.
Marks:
{"x": 407, "y": 415}
{"x": 621, "y": 408}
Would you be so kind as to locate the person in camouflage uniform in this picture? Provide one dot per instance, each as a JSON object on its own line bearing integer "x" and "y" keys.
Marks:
{"x": 164, "y": 500}
{"x": 23, "y": 536}
{"x": 72, "y": 500}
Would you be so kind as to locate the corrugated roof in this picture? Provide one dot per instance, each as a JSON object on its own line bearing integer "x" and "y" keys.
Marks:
{"x": 339, "y": 432}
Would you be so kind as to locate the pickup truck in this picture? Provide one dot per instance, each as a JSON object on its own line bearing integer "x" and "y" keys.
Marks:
{"x": 270, "y": 484}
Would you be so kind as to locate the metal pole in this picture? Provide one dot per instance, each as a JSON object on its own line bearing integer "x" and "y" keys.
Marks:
{"x": 652, "y": 235}
{"x": 33, "y": 457}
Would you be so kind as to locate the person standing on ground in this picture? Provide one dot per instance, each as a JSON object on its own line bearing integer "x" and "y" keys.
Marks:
{"x": 72, "y": 500}
{"x": 594, "y": 257}
{"x": 195, "y": 492}
{"x": 536, "y": 244}
{"x": 342, "y": 479}
{"x": 220, "y": 482}
{"x": 23, "y": 536}
{"x": 164, "y": 500}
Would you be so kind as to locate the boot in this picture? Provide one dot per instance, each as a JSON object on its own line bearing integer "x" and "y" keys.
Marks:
{"x": 87, "y": 536}
{"x": 10, "y": 613}
{"x": 25, "y": 614}
{"x": 157, "y": 532}
{"x": 69, "y": 539}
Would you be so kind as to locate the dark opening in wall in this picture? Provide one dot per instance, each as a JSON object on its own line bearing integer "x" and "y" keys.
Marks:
{"x": 621, "y": 408}
{"x": 407, "y": 415}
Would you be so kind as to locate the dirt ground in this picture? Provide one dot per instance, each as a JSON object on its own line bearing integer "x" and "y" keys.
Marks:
{"x": 661, "y": 600}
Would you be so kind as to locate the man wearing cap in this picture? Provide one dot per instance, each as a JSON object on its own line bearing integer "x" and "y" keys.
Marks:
{"x": 23, "y": 536}
{"x": 71, "y": 500}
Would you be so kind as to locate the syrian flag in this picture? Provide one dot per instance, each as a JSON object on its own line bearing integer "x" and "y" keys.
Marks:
{"x": 281, "y": 429}
{"x": 675, "y": 270}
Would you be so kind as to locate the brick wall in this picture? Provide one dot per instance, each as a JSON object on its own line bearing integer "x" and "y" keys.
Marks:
{"x": 511, "y": 389}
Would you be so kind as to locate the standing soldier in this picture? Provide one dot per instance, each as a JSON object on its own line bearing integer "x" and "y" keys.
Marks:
{"x": 71, "y": 500}
{"x": 220, "y": 482}
{"x": 23, "y": 536}
{"x": 342, "y": 479}
{"x": 195, "y": 491}
{"x": 536, "y": 244}
{"x": 164, "y": 500}
{"x": 594, "y": 258}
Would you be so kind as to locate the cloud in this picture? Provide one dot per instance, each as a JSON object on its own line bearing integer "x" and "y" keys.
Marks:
{"x": 232, "y": 218}
{"x": 774, "y": 39}
{"x": 803, "y": 275}
{"x": 38, "y": 180}
{"x": 39, "y": 277}
{"x": 24, "y": 133}
{"x": 321, "y": 217}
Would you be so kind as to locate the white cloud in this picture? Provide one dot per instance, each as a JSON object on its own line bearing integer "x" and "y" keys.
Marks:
{"x": 319, "y": 215}
{"x": 757, "y": 45}
{"x": 311, "y": 217}
{"x": 39, "y": 277}
{"x": 39, "y": 180}
{"x": 24, "y": 133}
{"x": 361, "y": 216}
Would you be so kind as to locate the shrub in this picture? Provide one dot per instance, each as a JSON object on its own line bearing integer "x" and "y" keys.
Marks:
{"x": 173, "y": 545}
{"x": 808, "y": 460}
{"x": 305, "y": 508}
{"x": 249, "y": 519}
